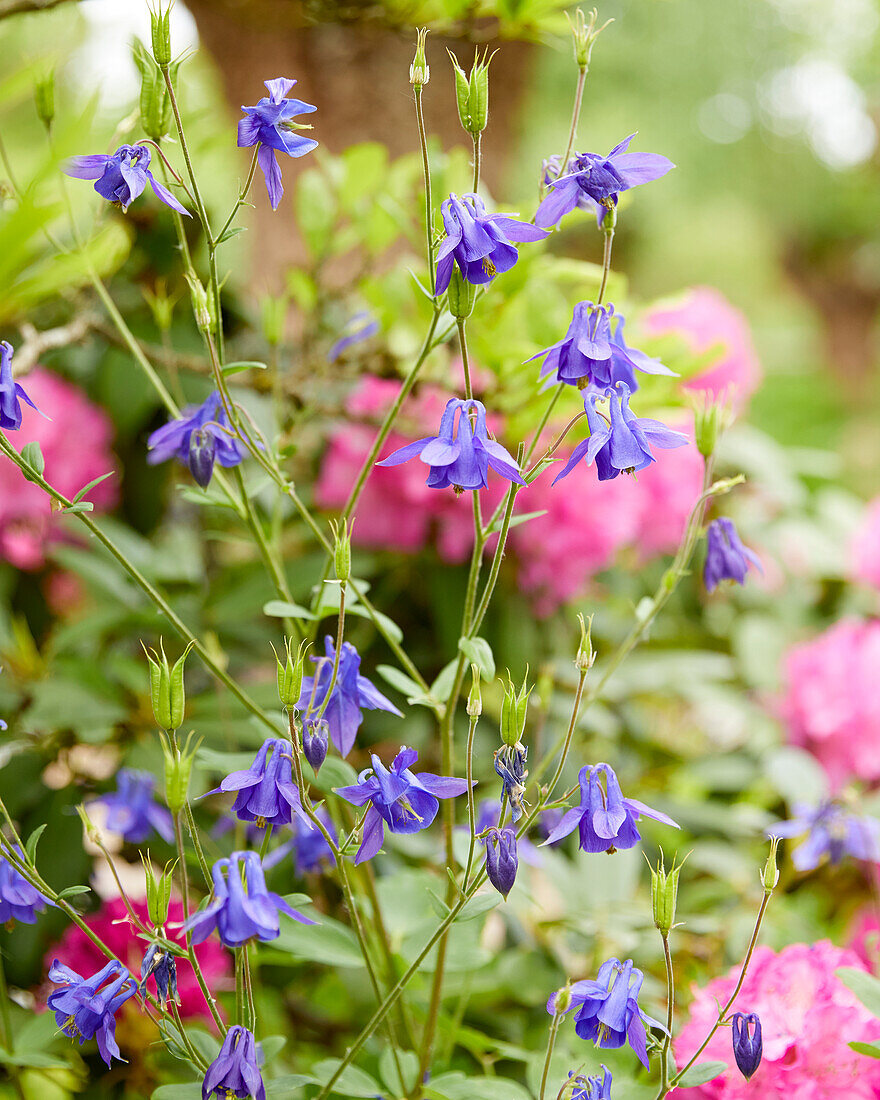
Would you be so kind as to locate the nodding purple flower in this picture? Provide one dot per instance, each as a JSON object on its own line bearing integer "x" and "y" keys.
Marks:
{"x": 86, "y": 1008}
{"x": 600, "y": 180}
{"x": 461, "y": 454}
{"x": 122, "y": 176}
{"x": 266, "y": 793}
{"x": 501, "y": 859}
{"x": 478, "y": 242}
{"x": 11, "y": 395}
{"x": 592, "y": 1088}
{"x": 404, "y": 801}
{"x": 358, "y": 328}
{"x": 726, "y": 557}
{"x": 18, "y": 899}
{"x": 605, "y": 819}
{"x": 235, "y": 1072}
{"x": 747, "y": 1048}
{"x": 487, "y": 817}
{"x": 510, "y": 765}
{"x": 310, "y": 849}
{"x": 132, "y": 810}
{"x": 833, "y": 832}
{"x": 160, "y": 965}
{"x": 350, "y": 692}
{"x": 315, "y": 736}
{"x": 622, "y": 442}
{"x": 241, "y": 910}
{"x": 607, "y": 1009}
{"x": 591, "y": 353}
{"x": 270, "y": 125}
{"x": 198, "y": 438}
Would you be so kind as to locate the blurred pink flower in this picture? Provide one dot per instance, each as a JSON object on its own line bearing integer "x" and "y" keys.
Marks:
{"x": 706, "y": 319}
{"x": 111, "y": 923}
{"x": 865, "y": 547}
{"x": 831, "y": 703}
{"x": 809, "y": 1018}
{"x": 667, "y": 491}
{"x": 76, "y": 446}
{"x": 864, "y": 936}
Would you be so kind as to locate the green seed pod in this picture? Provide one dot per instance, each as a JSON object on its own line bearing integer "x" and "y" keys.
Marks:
{"x": 664, "y": 894}
{"x": 460, "y": 296}
{"x": 160, "y": 32}
{"x": 289, "y": 675}
{"x": 770, "y": 874}
{"x": 711, "y": 419}
{"x": 584, "y": 34}
{"x": 178, "y": 769}
{"x": 472, "y": 92}
{"x": 585, "y": 655}
{"x": 419, "y": 72}
{"x": 158, "y": 891}
{"x": 514, "y": 710}
{"x": 44, "y": 98}
{"x": 342, "y": 550}
{"x": 167, "y": 691}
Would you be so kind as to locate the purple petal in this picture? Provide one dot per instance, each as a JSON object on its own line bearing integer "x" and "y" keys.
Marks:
{"x": 561, "y": 201}
{"x": 645, "y": 811}
{"x": 519, "y": 231}
{"x": 374, "y": 834}
{"x": 86, "y": 168}
{"x": 272, "y": 172}
{"x": 636, "y": 168}
{"x": 404, "y": 454}
{"x": 165, "y": 195}
{"x": 441, "y": 786}
{"x": 567, "y": 825}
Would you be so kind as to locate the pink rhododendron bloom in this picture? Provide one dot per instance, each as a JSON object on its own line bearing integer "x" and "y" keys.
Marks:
{"x": 666, "y": 493}
{"x": 76, "y": 446}
{"x": 809, "y": 1018}
{"x": 864, "y": 937}
{"x": 111, "y": 923}
{"x": 831, "y": 703}
{"x": 706, "y": 319}
{"x": 865, "y": 547}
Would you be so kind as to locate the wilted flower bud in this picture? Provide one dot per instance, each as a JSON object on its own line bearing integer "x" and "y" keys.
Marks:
{"x": 461, "y": 296}
{"x": 160, "y": 31}
{"x": 584, "y": 33}
{"x": 158, "y": 892}
{"x": 770, "y": 875}
{"x": 166, "y": 687}
{"x": 289, "y": 675}
{"x": 44, "y": 98}
{"x": 501, "y": 858}
{"x": 475, "y": 697}
{"x": 585, "y": 656}
{"x": 472, "y": 93}
{"x": 747, "y": 1048}
{"x": 178, "y": 769}
{"x": 514, "y": 708}
{"x": 342, "y": 550}
{"x": 419, "y": 72}
{"x": 664, "y": 894}
{"x": 162, "y": 965}
{"x": 316, "y": 733}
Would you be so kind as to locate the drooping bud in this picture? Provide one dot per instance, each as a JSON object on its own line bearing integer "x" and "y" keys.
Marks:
{"x": 178, "y": 769}
{"x": 475, "y": 697}
{"x": 584, "y": 33}
{"x": 341, "y": 550}
{"x": 202, "y": 453}
{"x": 316, "y": 733}
{"x": 747, "y": 1048}
{"x": 44, "y": 98}
{"x": 419, "y": 71}
{"x": 158, "y": 891}
{"x": 460, "y": 296}
{"x": 160, "y": 32}
{"x": 290, "y": 674}
{"x": 166, "y": 687}
{"x": 664, "y": 894}
{"x": 472, "y": 92}
{"x": 514, "y": 710}
{"x": 770, "y": 874}
{"x": 585, "y": 656}
{"x": 501, "y": 859}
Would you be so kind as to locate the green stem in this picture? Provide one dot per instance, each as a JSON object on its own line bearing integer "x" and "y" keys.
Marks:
{"x": 426, "y": 171}
{"x": 465, "y": 362}
{"x": 551, "y": 1043}
{"x": 197, "y": 845}
{"x": 472, "y": 811}
{"x": 575, "y": 118}
{"x": 242, "y": 195}
{"x": 608, "y": 230}
{"x": 478, "y": 160}
{"x": 670, "y": 1009}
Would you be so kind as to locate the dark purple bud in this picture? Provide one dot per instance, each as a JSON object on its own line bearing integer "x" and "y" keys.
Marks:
{"x": 747, "y": 1048}
{"x": 202, "y": 451}
{"x": 501, "y": 859}
{"x": 315, "y": 736}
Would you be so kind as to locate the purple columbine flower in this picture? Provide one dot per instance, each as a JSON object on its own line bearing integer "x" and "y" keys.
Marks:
{"x": 591, "y": 353}
{"x": 726, "y": 557}
{"x": 310, "y": 849}
{"x": 266, "y": 792}
{"x": 86, "y": 1008}
{"x": 461, "y": 454}
{"x": 607, "y": 1009}
{"x": 18, "y": 899}
{"x": 833, "y": 831}
{"x": 200, "y": 437}
{"x": 270, "y": 125}
{"x": 162, "y": 967}
{"x": 747, "y": 1048}
{"x": 404, "y": 801}
{"x": 241, "y": 910}
{"x": 623, "y": 442}
{"x": 592, "y": 1088}
{"x": 600, "y": 180}
{"x": 350, "y": 692}
{"x": 478, "y": 242}
{"x": 605, "y": 819}
{"x": 235, "y": 1072}
{"x": 487, "y": 817}
{"x": 510, "y": 765}
{"x": 11, "y": 394}
{"x": 122, "y": 176}
{"x": 315, "y": 737}
{"x": 132, "y": 810}
{"x": 501, "y": 859}
{"x": 358, "y": 328}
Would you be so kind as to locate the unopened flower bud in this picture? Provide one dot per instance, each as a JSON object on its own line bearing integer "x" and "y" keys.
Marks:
{"x": 585, "y": 655}
{"x": 584, "y": 34}
{"x": 178, "y": 769}
{"x": 460, "y": 296}
{"x": 770, "y": 875}
{"x": 200, "y": 304}
{"x": 501, "y": 859}
{"x": 711, "y": 419}
{"x": 419, "y": 71}
{"x": 747, "y": 1048}
{"x": 166, "y": 687}
{"x": 289, "y": 674}
{"x": 342, "y": 550}
{"x": 44, "y": 98}
{"x": 562, "y": 1000}
{"x": 472, "y": 92}
{"x": 316, "y": 734}
{"x": 89, "y": 828}
{"x": 160, "y": 32}
{"x": 475, "y": 697}
{"x": 514, "y": 710}
{"x": 158, "y": 892}
{"x": 664, "y": 894}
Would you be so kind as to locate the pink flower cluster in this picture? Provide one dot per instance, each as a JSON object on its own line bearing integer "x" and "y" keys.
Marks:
{"x": 112, "y": 924}
{"x": 74, "y": 456}
{"x": 865, "y": 547}
{"x": 831, "y": 703}
{"x": 808, "y": 1017}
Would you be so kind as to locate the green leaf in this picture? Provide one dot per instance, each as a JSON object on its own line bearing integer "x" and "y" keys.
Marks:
{"x": 872, "y": 1050}
{"x": 456, "y": 1086}
{"x": 865, "y": 986}
{"x": 389, "y": 626}
{"x": 329, "y": 942}
{"x": 72, "y": 891}
{"x": 33, "y": 840}
{"x": 178, "y": 1092}
{"x": 33, "y": 456}
{"x": 399, "y": 681}
{"x": 33, "y": 1059}
{"x": 280, "y": 609}
{"x": 442, "y": 686}
{"x": 409, "y": 1067}
{"x": 480, "y": 904}
{"x": 701, "y": 1072}
{"x": 281, "y": 1086}
{"x": 230, "y": 233}
{"x": 243, "y": 365}
{"x": 352, "y": 1081}
{"x": 81, "y": 506}
{"x": 86, "y": 488}
{"x": 479, "y": 653}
